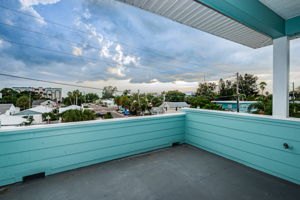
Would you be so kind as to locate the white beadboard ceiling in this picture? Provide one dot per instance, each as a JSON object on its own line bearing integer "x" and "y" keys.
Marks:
{"x": 196, "y": 15}
{"x": 285, "y": 8}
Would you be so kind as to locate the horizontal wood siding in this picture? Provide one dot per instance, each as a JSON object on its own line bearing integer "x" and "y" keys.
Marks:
{"x": 254, "y": 141}
{"x": 56, "y": 149}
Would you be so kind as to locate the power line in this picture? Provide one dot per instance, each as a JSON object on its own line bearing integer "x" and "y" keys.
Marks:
{"x": 57, "y": 51}
{"x": 53, "y": 82}
{"x": 70, "y": 42}
{"x": 84, "y": 32}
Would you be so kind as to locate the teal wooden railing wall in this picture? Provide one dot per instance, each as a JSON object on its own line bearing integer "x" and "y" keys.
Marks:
{"x": 60, "y": 148}
{"x": 251, "y": 140}
{"x": 255, "y": 141}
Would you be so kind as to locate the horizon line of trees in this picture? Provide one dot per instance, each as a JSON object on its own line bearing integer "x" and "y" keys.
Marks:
{"x": 136, "y": 103}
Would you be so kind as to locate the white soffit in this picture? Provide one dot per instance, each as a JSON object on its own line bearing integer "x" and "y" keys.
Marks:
{"x": 196, "y": 15}
{"x": 285, "y": 8}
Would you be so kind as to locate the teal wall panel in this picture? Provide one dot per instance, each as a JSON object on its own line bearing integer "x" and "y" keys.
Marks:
{"x": 251, "y": 140}
{"x": 55, "y": 149}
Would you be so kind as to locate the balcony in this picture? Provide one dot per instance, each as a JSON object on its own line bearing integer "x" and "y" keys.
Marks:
{"x": 222, "y": 156}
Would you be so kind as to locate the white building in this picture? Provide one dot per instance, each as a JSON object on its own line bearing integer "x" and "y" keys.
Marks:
{"x": 109, "y": 102}
{"x": 42, "y": 102}
{"x": 8, "y": 109}
{"x": 37, "y": 116}
{"x": 9, "y": 120}
{"x": 71, "y": 107}
{"x": 42, "y": 109}
{"x": 49, "y": 93}
{"x": 171, "y": 107}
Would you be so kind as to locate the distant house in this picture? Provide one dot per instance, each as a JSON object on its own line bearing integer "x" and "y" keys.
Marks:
{"x": 71, "y": 107}
{"x": 42, "y": 102}
{"x": 37, "y": 116}
{"x": 8, "y": 109}
{"x": 109, "y": 102}
{"x": 171, "y": 107}
{"x": 157, "y": 110}
{"x": 42, "y": 109}
{"x": 232, "y": 105}
{"x": 9, "y": 120}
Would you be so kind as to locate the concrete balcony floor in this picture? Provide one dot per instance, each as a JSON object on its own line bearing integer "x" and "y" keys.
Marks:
{"x": 181, "y": 172}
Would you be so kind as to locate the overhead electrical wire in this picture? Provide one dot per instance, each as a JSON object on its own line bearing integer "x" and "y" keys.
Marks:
{"x": 70, "y": 42}
{"x": 161, "y": 54}
{"x": 53, "y": 82}
{"x": 58, "y": 52}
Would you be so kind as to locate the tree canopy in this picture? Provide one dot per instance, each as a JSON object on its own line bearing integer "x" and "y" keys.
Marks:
{"x": 174, "y": 96}
{"x": 109, "y": 92}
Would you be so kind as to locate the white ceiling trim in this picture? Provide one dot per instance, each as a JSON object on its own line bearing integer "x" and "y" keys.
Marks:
{"x": 196, "y": 15}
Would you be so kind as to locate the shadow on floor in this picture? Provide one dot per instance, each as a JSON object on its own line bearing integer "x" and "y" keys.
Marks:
{"x": 181, "y": 172}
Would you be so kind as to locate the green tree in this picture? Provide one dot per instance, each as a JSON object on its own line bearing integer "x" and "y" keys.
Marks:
{"x": 9, "y": 96}
{"x": 108, "y": 115}
{"x": 207, "y": 90}
{"x": 52, "y": 116}
{"x": 262, "y": 86}
{"x": 23, "y": 102}
{"x": 295, "y": 110}
{"x": 91, "y": 97}
{"x": 226, "y": 90}
{"x": 126, "y": 92}
{"x": 78, "y": 115}
{"x": 108, "y": 92}
{"x": 74, "y": 98}
{"x": 197, "y": 101}
{"x": 174, "y": 96}
{"x": 248, "y": 85}
{"x": 156, "y": 101}
{"x": 263, "y": 105}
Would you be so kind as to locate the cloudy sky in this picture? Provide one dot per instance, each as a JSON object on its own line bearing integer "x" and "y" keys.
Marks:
{"x": 103, "y": 42}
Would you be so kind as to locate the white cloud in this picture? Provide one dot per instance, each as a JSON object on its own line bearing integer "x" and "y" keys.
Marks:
{"x": 76, "y": 51}
{"x": 109, "y": 49}
{"x": 117, "y": 71}
{"x": 27, "y": 5}
{"x": 1, "y": 42}
{"x": 105, "y": 52}
{"x": 87, "y": 14}
{"x": 49, "y": 74}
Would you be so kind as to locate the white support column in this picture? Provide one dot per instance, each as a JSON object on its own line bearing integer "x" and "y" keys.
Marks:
{"x": 281, "y": 73}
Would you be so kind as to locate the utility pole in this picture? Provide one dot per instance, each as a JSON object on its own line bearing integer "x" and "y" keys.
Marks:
{"x": 237, "y": 93}
{"x": 139, "y": 98}
{"x": 29, "y": 99}
{"x": 293, "y": 92}
{"x": 76, "y": 100}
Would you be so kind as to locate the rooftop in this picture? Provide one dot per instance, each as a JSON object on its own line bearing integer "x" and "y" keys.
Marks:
{"x": 28, "y": 112}
{"x": 174, "y": 104}
{"x": 4, "y": 108}
{"x": 181, "y": 172}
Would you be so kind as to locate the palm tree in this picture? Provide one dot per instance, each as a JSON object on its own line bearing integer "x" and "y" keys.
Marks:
{"x": 262, "y": 86}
